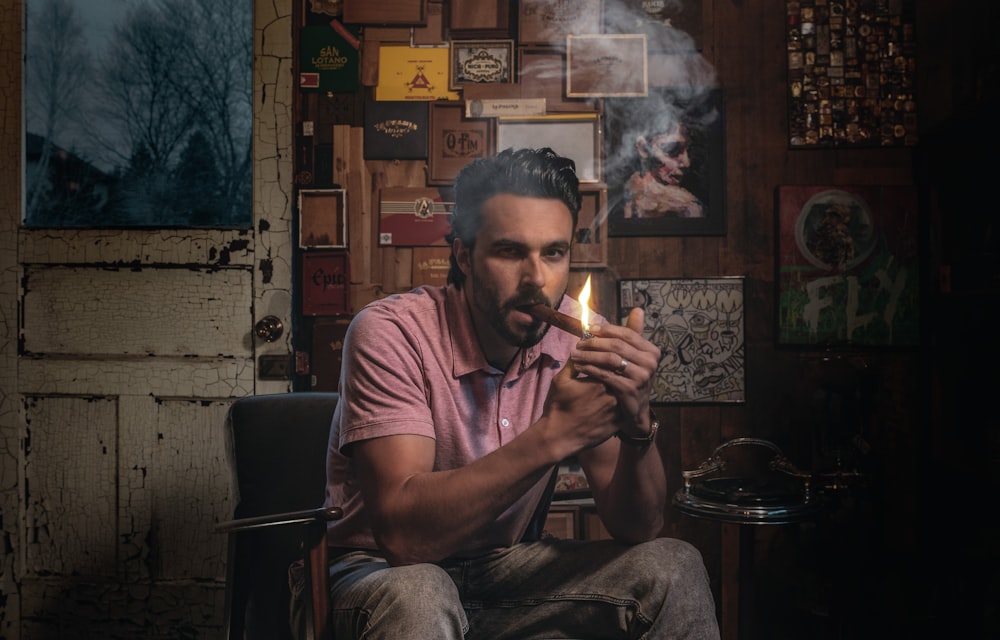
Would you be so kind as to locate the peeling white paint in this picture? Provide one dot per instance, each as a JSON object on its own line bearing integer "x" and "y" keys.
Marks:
{"x": 144, "y": 311}
{"x": 112, "y": 470}
{"x": 202, "y": 378}
{"x": 137, "y": 247}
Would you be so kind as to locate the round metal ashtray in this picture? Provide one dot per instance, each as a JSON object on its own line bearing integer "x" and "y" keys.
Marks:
{"x": 777, "y": 494}
{"x": 746, "y": 501}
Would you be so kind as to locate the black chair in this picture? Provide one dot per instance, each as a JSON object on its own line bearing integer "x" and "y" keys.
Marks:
{"x": 276, "y": 447}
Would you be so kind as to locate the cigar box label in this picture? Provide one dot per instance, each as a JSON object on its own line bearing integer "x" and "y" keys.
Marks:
{"x": 413, "y": 74}
{"x": 395, "y": 130}
{"x": 514, "y": 107}
{"x": 413, "y": 217}
{"x": 325, "y": 283}
{"x": 431, "y": 265}
{"x": 328, "y": 61}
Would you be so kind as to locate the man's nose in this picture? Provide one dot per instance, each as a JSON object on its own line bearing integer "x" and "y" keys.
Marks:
{"x": 532, "y": 272}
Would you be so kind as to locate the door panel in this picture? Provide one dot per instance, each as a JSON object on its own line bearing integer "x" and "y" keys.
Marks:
{"x": 127, "y": 372}
{"x": 70, "y": 467}
{"x": 172, "y": 474}
{"x": 120, "y": 352}
{"x": 205, "y": 377}
{"x": 187, "y": 311}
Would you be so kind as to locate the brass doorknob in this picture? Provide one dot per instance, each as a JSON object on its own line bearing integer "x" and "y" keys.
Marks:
{"x": 269, "y": 328}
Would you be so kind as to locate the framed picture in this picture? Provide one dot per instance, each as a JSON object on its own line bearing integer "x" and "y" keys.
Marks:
{"x": 590, "y": 243}
{"x": 455, "y": 141}
{"x": 848, "y": 266}
{"x": 698, "y": 324}
{"x": 571, "y": 481}
{"x": 606, "y": 66}
{"x": 576, "y": 136}
{"x": 481, "y": 61}
{"x": 664, "y": 161}
{"x": 851, "y": 74}
{"x": 322, "y": 218}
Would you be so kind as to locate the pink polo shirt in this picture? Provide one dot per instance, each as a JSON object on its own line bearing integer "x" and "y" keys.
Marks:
{"x": 412, "y": 365}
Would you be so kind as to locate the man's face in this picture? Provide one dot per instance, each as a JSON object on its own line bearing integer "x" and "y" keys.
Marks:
{"x": 666, "y": 155}
{"x": 521, "y": 256}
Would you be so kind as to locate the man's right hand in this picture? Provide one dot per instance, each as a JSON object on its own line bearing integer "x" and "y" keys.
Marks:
{"x": 580, "y": 412}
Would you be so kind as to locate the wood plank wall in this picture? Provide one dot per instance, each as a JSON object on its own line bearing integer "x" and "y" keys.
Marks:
{"x": 745, "y": 42}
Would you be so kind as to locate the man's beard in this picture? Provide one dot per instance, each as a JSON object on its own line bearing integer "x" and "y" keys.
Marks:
{"x": 486, "y": 300}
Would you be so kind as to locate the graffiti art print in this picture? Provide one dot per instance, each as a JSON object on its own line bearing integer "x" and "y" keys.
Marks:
{"x": 698, "y": 324}
{"x": 848, "y": 266}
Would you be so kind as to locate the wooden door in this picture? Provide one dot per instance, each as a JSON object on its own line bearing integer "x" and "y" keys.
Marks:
{"x": 121, "y": 351}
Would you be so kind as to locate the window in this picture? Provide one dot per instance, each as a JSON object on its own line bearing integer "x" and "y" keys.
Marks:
{"x": 138, "y": 114}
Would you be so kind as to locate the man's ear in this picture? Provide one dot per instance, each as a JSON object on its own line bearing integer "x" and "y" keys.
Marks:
{"x": 463, "y": 255}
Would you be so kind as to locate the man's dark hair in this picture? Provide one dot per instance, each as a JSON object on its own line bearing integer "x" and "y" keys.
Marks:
{"x": 534, "y": 173}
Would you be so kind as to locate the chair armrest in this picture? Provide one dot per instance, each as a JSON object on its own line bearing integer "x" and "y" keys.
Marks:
{"x": 322, "y": 514}
{"x": 314, "y": 556}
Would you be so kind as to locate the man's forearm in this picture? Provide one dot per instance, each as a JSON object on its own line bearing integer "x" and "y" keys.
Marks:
{"x": 632, "y": 504}
{"x": 431, "y": 515}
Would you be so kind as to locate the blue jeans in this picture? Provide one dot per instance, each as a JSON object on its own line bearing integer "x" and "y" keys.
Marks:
{"x": 547, "y": 589}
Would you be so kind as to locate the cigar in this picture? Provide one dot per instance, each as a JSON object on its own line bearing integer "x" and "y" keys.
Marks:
{"x": 557, "y": 319}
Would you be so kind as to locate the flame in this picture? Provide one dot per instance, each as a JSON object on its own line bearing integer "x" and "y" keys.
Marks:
{"x": 584, "y": 299}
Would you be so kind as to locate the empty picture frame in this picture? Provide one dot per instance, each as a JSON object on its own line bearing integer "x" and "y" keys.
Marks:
{"x": 575, "y": 136}
{"x": 606, "y": 65}
{"x": 322, "y": 218}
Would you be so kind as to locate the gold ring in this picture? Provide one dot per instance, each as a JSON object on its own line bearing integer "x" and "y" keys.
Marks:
{"x": 621, "y": 369}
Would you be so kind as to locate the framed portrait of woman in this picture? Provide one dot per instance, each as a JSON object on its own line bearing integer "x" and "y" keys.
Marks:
{"x": 664, "y": 161}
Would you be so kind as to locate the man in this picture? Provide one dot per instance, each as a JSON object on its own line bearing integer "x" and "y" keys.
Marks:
{"x": 456, "y": 406}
